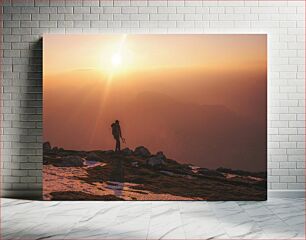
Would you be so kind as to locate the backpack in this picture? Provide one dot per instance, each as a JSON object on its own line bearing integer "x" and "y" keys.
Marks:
{"x": 115, "y": 130}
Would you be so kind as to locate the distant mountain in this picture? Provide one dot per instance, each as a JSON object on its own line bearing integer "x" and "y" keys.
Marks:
{"x": 204, "y": 135}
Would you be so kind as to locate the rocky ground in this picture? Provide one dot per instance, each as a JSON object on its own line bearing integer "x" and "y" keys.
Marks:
{"x": 140, "y": 175}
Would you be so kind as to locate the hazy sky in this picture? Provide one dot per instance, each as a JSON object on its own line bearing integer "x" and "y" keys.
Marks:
{"x": 149, "y": 82}
{"x": 66, "y": 53}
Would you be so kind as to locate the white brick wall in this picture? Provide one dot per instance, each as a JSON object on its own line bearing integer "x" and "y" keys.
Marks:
{"x": 24, "y": 22}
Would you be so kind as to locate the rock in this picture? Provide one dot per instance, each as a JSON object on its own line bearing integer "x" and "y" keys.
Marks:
{"x": 135, "y": 164}
{"x": 155, "y": 161}
{"x": 46, "y": 146}
{"x": 161, "y": 155}
{"x": 71, "y": 161}
{"x": 158, "y": 159}
{"x": 142, "y": 151}
{"x": 127, "y": 151}
{"x": 211, "y": 173}
{"x": 93, "y": 157}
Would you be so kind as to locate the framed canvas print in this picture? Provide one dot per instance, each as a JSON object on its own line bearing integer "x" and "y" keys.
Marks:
{"x": 155, "y": 117}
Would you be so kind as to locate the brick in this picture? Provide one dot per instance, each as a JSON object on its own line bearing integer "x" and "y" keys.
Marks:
{"x": 81, "y": 9}
{"x": 129, "y": 10}
{"x": 166, "y": 9}
{"x": 296, "y": 186}
{"x": 148, "y": 24}
{"x": 190, "y": 17}
{"x": 91, "y": 3}
{"x": 21, "y": 17}
{"x": 63, "y": 10}
{"x": 300, "y": 164}
{"x": 65, "y": 24}
{"x": 183, "y": 24}
{"x": 42, "y": 3}
{"x": 11, "y": 10}
{"x": 11, "y": 24}
{"x": 147, "y": 9}
{"x": 111, "y": 10}
{"x": 296, "y": 158}
{"x": 48, "y": 10}
{"x": 106, "y": 2}
{"x": 60, "y": 3}
{"x": 21, "y": 31}
{"x": 74, "y": 3}
{"x": 287, "y": 179}
{"x": 138, "y": 3}
{"x": 23, "y": 3}
{"x": 221, "y": 24}
{"x": 49, "y": 24}
{"x": 160, "y": 17}
{"x": 296, "y": 172}
{"x": 19, "y": 173}
{"x": 176, "y": 17}
{"x": 29, "y": 10}
{"x": 10, "y": 179}
{"x": 75, "y": 16}
{"x": 157, "y": 3}
{"x": 277, "y": 186}
{"x": 230, "y": 3}
{"x": 186, "y": 9}
{"x": 96, "y": 10}
{"x": 202, "y": 10}
{"x": 40, "y": 16}
{"x": 300, "y": 179}
{"x": 105, "y": 17}
{"x": 99, "y": 24}
{"x": 287, "y": 165}
{"x": 140, "y": 17}
{"x": 91, "y": 16}
{"x": 130, "y": 24}
{"x": 82, "y": 24}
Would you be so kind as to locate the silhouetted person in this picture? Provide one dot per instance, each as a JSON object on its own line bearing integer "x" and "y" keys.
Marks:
{"x": 116, "y": 131}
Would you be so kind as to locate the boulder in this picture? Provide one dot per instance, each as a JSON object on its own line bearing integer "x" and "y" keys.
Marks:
{"x": 142, "y": 152}
{"x": 158, "y": 159}
{"x": 93, "y": 157}
{"x": 47, "y": 146}
{"x": 71, "y": 161}
{"x": 127, "y": 151}
{"x": 161, "y": 155}
{"x": 155, "y": 161}
{"x": 135, "y": 164}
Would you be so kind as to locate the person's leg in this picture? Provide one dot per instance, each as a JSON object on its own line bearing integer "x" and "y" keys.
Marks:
{"x": 117, "y": 145}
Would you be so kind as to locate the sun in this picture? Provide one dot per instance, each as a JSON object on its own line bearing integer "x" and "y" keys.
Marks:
{"x": 116, "y": 59}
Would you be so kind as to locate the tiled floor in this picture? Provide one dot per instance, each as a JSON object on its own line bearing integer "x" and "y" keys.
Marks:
{"x": 273, "y": 219}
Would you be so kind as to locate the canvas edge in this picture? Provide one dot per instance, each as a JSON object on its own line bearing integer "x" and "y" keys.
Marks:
{"x": 37, "y": 194}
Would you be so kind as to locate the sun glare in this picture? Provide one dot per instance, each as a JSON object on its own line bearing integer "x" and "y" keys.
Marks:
{"x": 116, "y": 59}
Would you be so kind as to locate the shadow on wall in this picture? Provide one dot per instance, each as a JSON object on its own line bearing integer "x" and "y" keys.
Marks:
{"x": 31, "y": 122}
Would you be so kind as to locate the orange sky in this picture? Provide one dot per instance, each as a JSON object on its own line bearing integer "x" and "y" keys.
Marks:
{"x": 66, "y": 53}
{"x": 91, "y": 80}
